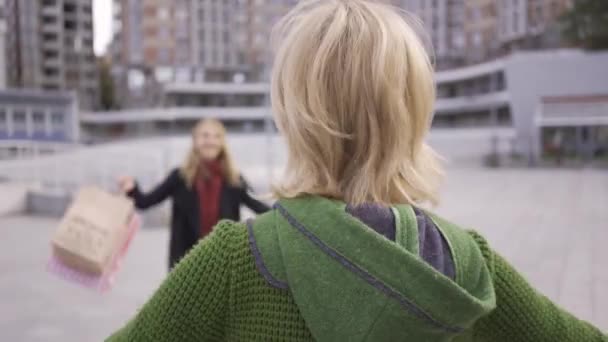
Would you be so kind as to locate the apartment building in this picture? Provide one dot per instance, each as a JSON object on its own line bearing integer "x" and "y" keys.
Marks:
{"x": 480, "y": 29}
{"x": 443, "y": 24}
{"x": 465, "y": 32}
{"x": 50, "y": 46}
{"x": 2, "y": 44}
{"x": 255, "y": 21}
{"x": 529, "y": 24}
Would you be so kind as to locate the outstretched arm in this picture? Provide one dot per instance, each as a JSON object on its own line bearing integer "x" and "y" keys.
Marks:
{"x": 158, "y": 194}
{"x": 524, "y": 315}
{"x": 191, "y": 303}
{"x": 257, "y": 206}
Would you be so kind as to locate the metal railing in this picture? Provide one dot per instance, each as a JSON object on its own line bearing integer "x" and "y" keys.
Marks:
{"x": 68, "y": 168}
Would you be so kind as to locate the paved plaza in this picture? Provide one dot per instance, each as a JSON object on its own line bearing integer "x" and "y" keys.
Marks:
{"x": 551, "y": 224}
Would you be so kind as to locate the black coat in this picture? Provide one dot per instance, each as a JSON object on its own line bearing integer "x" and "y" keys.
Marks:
{"x": 185, "y": 211}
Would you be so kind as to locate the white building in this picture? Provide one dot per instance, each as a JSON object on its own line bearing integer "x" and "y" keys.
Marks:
{"x": 37, "y": 115}
{"x": 508, "y": 92}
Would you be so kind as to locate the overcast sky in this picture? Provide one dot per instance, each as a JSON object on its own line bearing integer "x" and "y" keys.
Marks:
{"x": 102, "y": 12}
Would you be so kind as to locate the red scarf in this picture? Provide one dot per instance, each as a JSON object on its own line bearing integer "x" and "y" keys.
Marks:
{"x": 208, "y": 188}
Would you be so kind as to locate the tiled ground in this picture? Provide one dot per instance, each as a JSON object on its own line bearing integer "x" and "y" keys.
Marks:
{"x": 552, "y": 225}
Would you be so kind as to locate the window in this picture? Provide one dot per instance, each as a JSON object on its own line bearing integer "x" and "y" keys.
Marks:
{"x": 19, "y": 117}
{"x": 227, "y": 58}
{"x": 182, "y": 14}
{"x": 554, "y": 9}
{"x": 476, "y": 14}
{"x": 163, "y": 56}
{"x": 38, "y": 117}
{"x": 57, "y": 118}
{"x": 477, "y": 39}
{"x": 458, "y": 40}
{"x": 163, "y": 74}
{"x": 163, "y": 33}
{"x": 163, "y": 13}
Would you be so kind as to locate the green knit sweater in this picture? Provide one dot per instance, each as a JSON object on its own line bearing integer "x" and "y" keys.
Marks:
{"x": 306, "y": 271}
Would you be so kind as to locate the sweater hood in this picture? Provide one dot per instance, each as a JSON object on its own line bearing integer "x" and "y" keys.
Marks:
{"x": 352, "y": 284}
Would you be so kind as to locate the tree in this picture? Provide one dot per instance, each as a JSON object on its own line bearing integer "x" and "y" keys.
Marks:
{"x": 586, "y": 24}
{"x": 107, "y": 98}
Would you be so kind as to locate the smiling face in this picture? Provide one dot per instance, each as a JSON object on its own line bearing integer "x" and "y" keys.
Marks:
{"x": 209, "y": 140}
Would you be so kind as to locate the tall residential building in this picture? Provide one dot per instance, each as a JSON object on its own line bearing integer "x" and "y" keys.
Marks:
{"x": 480, "y": 29}
{"x": 152, "y": 44}
{"x": 255, "y": 21}
{"x": 152, "y": 33}
{"x": 443, "y": 22}
{"x": 529, "y": 24}
{"x": 471, "y": 31}
{"x": 2, "y": 44}
{"x": 179, "y": 40}
{"x": 215, "y": 38}
{"x": 50, "y": 46}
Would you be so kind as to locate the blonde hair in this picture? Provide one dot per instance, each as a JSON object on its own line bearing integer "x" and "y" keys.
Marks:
{"x": 352, "y": 92}
{"x": 192, "y": 166}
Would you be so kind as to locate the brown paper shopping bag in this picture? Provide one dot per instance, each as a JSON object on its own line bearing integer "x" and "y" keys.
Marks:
{"x": 93, "y": 230}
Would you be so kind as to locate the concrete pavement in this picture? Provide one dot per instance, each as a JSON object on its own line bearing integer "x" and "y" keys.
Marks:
{"x": 551, "y": 224}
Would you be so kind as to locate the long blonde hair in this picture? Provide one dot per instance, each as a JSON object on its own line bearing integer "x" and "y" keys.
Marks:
{"x": 192, "y": 166}
{"x": 352, "y": 92}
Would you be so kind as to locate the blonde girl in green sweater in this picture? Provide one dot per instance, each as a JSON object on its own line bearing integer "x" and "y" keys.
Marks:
{"x": 347, "y": 253}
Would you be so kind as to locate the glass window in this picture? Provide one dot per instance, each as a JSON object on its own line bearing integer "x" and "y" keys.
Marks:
{"x": 477, "y": 38}
{"x": 57, "y": 118}
{"x": 163, "y": 13}
{"x": 163, "y": 56}
{"x": 19, "y": 117}
{"x": 38, "y": 117}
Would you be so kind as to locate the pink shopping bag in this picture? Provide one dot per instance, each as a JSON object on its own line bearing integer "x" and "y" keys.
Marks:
{"x": 93, "y": 238}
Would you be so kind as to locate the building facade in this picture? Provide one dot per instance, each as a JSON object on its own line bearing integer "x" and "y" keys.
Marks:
{"x": 464, "y": 32}
{"x": 480, "y": 29}
{"x": 529, "y": 24}
{"x": 255, "y": 21}
{"x": 443, "y": 25}
{"x": 50, "y": 46}
{"x": 523, "y": 92}
{"x": 179, "y": 40}
{"x": 2, "y": 44}
{"x": 39, "y": 115}
{"x": 153, "y": 33}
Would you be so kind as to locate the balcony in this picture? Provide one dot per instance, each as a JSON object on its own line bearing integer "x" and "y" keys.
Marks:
{"x": 51, "y": 44}
{"x": 50, "y": 27}
{"x": 53, "y": 81}
{"x": 51, "y": 10}
{"x": 472, "y": 103}
{"x": 580, "y": 110}
{"x": 51, "y": 62}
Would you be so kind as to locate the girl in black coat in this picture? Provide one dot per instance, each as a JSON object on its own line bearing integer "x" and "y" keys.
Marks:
{"x": 206, "y": 189}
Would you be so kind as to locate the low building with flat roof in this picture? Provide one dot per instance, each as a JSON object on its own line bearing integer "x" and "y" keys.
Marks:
{"x": 506, "y": 92}
{"x": 39, "y": 115}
